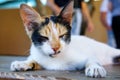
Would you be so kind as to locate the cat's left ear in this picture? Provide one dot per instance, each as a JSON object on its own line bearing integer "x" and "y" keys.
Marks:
{"x": 67, "y": 11}
{"x": 29, "y": 16}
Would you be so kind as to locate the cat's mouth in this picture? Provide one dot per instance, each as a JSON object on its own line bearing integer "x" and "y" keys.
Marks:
{"x": 54, "y": 54}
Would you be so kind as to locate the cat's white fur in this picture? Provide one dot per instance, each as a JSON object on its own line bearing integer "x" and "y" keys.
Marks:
{"x": 81, "y": 52}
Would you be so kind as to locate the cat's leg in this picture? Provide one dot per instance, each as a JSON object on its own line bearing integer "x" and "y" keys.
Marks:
{"x": 94, "y": 69}
{"x": 24, "y": 65}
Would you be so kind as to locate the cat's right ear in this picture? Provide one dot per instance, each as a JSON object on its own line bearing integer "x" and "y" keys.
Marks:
{"x": 67, "y": 11}
{"x": 29, "y": 16}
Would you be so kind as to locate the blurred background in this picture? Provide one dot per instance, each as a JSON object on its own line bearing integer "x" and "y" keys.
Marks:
{"x": 13, "y": 38}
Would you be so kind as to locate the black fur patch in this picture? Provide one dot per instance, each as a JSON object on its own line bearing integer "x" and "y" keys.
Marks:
{"x": 45, "y": 22}
{"x": 37, "y": 39}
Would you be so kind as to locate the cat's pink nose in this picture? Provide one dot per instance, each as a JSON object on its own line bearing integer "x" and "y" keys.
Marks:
{"x": 55, "y": 49}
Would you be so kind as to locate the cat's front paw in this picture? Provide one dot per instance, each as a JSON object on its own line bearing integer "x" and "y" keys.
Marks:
{"x": 21, "y": 66}
{"x": 95, "y": 71}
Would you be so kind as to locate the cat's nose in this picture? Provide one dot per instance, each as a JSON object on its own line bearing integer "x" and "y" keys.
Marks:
{"x": 55, "y": 49}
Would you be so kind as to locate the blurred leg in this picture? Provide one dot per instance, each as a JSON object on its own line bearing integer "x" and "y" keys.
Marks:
{"x": 116, "y": 29}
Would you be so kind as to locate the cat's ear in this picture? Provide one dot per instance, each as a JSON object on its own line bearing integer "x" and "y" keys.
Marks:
{"x": 29, "y": 16}
{"x": 67, "y": 11}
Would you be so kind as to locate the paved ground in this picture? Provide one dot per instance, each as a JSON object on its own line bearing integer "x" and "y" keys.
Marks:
{"x": 113, "y": 70}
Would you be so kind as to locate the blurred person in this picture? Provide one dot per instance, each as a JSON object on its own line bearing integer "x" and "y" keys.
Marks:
{"x": 79, "y": 8}
{"x": 114, "y": 7}
{"x": 105, "y": 16}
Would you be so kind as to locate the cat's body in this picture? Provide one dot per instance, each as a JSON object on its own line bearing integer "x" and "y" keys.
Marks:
{"x": 54, "y": 48}
{"x": 80, "y": 50}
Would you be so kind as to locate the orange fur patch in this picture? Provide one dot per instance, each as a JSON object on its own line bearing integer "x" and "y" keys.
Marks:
{"x": 47, "y": 30}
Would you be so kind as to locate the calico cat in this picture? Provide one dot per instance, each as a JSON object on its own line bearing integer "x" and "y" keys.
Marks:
{"x": 54, "y": 48}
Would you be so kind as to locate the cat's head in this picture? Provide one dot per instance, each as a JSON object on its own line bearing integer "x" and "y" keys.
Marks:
{"x": 49, "y": 34}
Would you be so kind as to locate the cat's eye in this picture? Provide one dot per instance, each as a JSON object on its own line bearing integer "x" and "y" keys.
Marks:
{"x": 62, "y": 36}
{"x": 42, "y": 38}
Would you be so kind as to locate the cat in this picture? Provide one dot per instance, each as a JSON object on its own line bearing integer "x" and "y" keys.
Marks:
{"x": 54, "y": 48}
